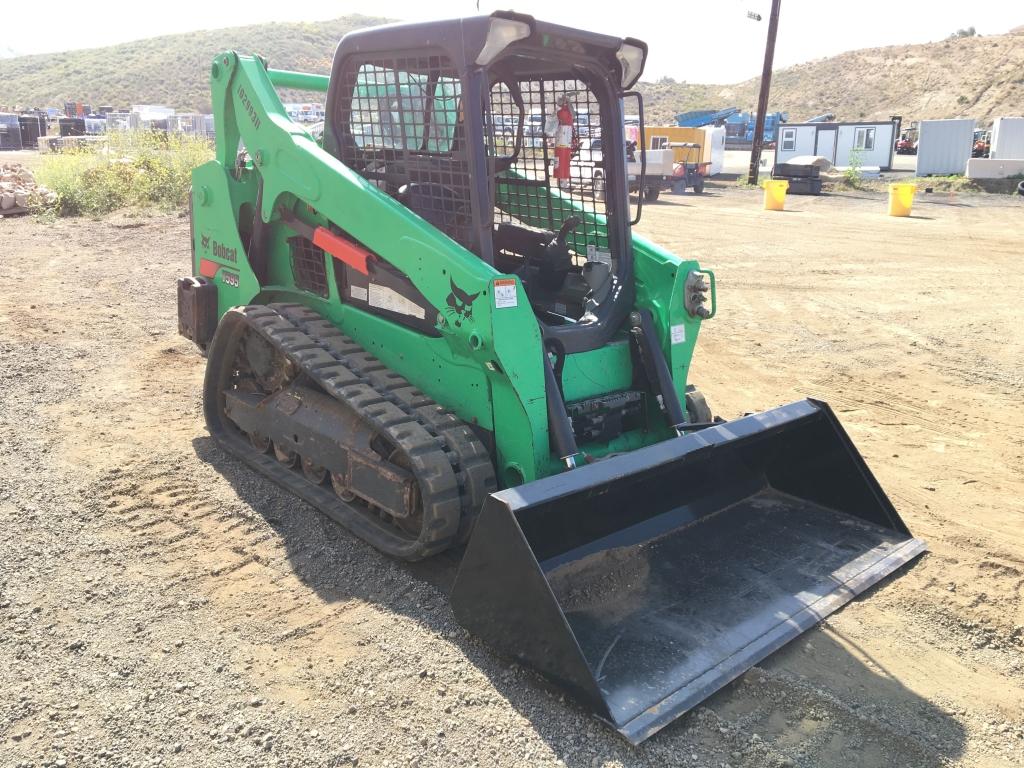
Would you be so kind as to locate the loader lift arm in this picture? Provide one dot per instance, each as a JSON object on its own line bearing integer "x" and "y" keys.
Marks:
{"x": 294, "y": 170}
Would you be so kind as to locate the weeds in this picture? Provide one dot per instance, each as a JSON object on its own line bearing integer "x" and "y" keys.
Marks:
{"x": 852, "y": 176}
{"x": 939, "y": 185}
{"x": 132, "y": 169}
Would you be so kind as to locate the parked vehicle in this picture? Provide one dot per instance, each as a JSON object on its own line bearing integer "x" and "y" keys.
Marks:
{"x": 658, "y": 175}
{"x": 689, "y": 173}
{"x": 907, "y": 143}
{"x": 982, "y": 144}
{"x": 443, "y": 348}
{"x": 588, "y": 168}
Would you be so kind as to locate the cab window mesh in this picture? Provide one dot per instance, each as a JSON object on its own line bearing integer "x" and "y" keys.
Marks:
{"x": 402, "y": 127}
{"x": 530, "y": 192}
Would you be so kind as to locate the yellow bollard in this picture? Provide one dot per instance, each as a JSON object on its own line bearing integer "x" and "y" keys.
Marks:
{"x": 901, "y": 199}
{"x": 775, "y": 194}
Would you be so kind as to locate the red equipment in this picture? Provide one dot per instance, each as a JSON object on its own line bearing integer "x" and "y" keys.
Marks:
{"x": 563, "y": 139}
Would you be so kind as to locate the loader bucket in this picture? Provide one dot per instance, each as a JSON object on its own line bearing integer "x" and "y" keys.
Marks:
{"x": 645, "y": 582}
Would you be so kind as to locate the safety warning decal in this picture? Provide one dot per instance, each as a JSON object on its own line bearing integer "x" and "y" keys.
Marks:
{"x": 385, "y": 298}
{"x": 505, "y": 293}
{"x": 678, "y": 334}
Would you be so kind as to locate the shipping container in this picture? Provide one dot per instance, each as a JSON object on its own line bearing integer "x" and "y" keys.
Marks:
{"x": 10, "y": 132}
{"x": 944, "y": 147}
{"x": 1007, "y": 139}
{"x": 714, "y": 138}
{"x": 32, "y": 127}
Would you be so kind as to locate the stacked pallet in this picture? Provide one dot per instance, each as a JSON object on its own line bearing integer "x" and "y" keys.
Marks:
{"x": 803, "y": 179}
{"x": 19, "y": 189}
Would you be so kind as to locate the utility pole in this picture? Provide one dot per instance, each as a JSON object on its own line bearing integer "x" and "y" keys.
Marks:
{"x": 762, "y": 99}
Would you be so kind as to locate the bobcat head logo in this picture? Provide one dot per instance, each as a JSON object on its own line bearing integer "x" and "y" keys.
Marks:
{"x": 205, "y": 240}
{"x": 460, "y": 305}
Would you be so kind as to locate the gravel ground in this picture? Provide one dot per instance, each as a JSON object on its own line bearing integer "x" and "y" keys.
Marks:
{"x": 162, "y": 605}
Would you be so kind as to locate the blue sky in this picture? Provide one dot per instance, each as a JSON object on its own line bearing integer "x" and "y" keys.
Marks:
{"x": 702, "y": 42}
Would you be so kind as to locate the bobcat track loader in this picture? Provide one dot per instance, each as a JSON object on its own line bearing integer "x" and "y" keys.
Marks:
{"x": 424, "y": 325}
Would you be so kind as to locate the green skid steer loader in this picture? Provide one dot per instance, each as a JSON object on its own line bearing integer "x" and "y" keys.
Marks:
{"x": 435, "y": 324}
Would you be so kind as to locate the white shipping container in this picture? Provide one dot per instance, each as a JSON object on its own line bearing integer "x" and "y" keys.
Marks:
{"x": 944, "y": 146}
{"x": 1008, "y": 138}
{"x": 715, "y": 138}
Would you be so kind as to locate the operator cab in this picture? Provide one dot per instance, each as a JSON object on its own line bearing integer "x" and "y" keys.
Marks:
{"x": 480, "y": 132}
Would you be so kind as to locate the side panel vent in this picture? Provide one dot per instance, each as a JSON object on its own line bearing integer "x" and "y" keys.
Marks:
{"x": 308, "y": 268}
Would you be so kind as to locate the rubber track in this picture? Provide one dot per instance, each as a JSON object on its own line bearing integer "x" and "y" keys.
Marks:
{"x": 452, "y": 468}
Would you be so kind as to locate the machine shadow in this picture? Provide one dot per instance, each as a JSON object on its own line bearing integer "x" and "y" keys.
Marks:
{"x": 823, "y": 699}
{"x": 776, "y": 712}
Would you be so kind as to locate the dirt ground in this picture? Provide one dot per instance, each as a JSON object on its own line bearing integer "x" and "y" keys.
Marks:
{"x": 31, "y": 160}
{"x": 161, "y": 605}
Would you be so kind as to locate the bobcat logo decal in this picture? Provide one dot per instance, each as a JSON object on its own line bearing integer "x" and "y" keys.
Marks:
{"x": 205, "y": 241}
{"x": 460, "y": 305}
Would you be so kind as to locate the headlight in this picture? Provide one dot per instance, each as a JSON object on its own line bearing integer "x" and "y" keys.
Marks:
{"x": 631, "y": 59}
{"x": 502, "y": 34}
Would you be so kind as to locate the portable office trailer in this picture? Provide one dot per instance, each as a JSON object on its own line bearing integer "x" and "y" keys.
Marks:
{"x": 873, "y": 143}
{"x": 1007, "y": 138}
{"x": 944, "y": 146}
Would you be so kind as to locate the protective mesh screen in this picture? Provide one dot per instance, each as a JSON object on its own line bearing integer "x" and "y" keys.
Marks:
{"x": 530, "y": 192}
{"x": 405, "y": 133}
{"x": 308, "y": 268}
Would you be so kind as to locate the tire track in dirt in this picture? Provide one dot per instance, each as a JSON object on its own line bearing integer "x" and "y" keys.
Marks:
{"x": 226, "y": 550}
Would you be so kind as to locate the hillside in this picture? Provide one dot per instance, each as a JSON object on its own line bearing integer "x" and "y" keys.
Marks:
{"x": 171, "y": 70}
{"x": 978, "y": 77}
